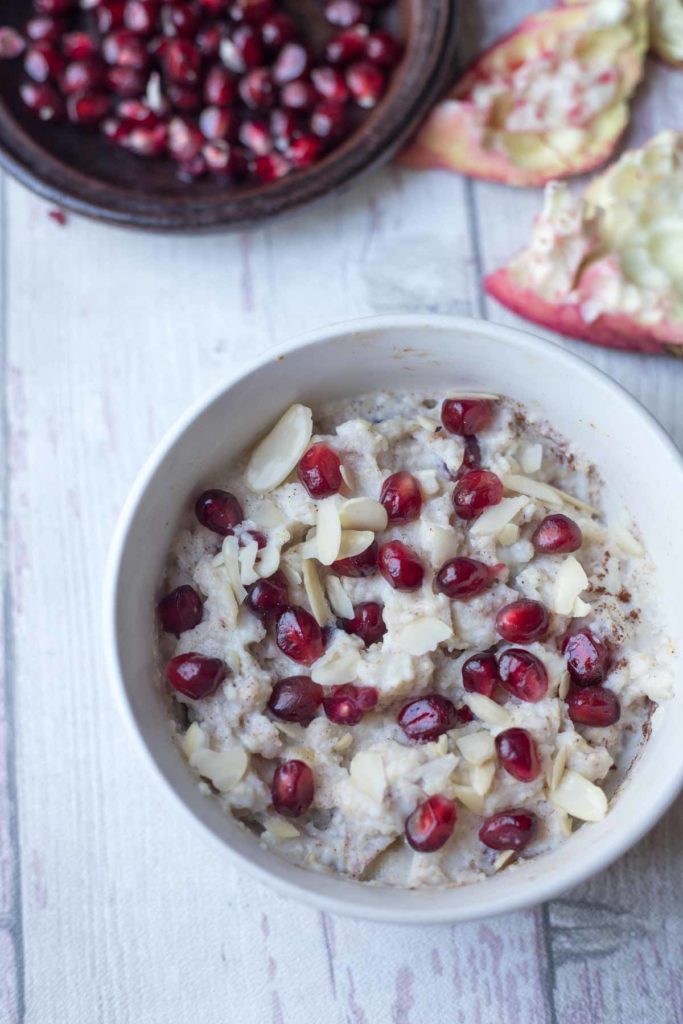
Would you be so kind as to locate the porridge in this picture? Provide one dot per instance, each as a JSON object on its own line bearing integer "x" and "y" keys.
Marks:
{"x": 405, "y": 640}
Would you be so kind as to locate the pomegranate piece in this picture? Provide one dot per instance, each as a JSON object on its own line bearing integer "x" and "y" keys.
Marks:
{"x": 593, "y": 705}
{"x": 480, "y": 674}
{"x": 180, "y": 610}
{"x": 220, "y": 87}
{"x": 346, "y": 704}
{"x": 431, "y": 824}
{"x": 208, "y": 39}
{"x": 182, "y": 20}
{"x": 329, "y": 120}
{"x": 517, "y": 754}
{"x": 88, "y": 108}
{"x": 43, "y": 100}
{"x": 474, "y": 491}
{"x": 557, "y": 534}
{"x": 471, "y": 458}
{"x": 256, "y": 89}
{"x": 11, "y": 43}
{"x": 146, "y": 140}
{"x": 367, "y": 623}
{"x": 291, "y": 63}
{"x": 588, "y": 659}
{"x": 181, "y": 61}
{"x": 54, "y": 6}
{"x": 270, "y": 167}
{"x": 508, "y": 830}
{"x": 256, "y": 136}
{"x": 298, "y": 635}
{"x": 219, "y": 511}
{"x": 78, "y": 46}
{"x": 330, "y": 83}
{"x": 400, "y": 566}
{"x": 427, "y": 718}
{"x": 126, "y": 82}
{"x": 366, "y": 83}
{"x": 42, "y": 62}
{"x": 195, "y": 675}
{"x": 126, "y": 50}
{"x": 466, "y": 416}
{"x": 347, "y": 46}
{"x": 305, "y": 151}
{"x": 463, "y": 577}
{"x": 82, "y": 76}
{"x": 45, "y": 29}
{"x": 109, "y": 15}
{"x": 216, "y": 123}
{"x": 184, "y": 98}
{"x": 252, "y": 11}
{"x": 357, "y": 566}
{"x": 384, "y": 49}
{"x": 268, "y": 595}
{"x": 299, "y": 96}
{"x": 214, "y": 7}
{"x": 296, "y": 699}
{"x": 243, "y": 50}
{"x": 222, "y": 158}
{"x": 345, "y": 13}
{"x": 137, "y": 111}
{"x": 277, "y": 30}
{"x": 401, "y": 497}
{"x": 292, "y": 788}
{"x": 140, "y": 16}
{"x": 523, "y": 675}
{"x": 523, "y": 621}
{"x": 284, "y": 127}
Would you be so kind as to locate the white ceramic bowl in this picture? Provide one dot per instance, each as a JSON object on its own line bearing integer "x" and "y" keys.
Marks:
{"x": 636, "y": 458}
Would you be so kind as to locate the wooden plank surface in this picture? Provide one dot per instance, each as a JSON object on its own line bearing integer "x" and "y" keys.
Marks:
{"x": 109, "y": 910}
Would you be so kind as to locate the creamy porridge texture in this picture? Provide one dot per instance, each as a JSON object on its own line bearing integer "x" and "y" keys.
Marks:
{"x": 409, "y": 643}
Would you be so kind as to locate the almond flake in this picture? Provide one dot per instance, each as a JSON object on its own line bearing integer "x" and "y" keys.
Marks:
{"x": 430, "y": 425}
{"x": 469, "y": 797}
{"x": 580, "y": 797}
{"x": 481, "y": 777}
{"x": 194, "y": 739}
{"x": 289, "y": 729}
{"x": 363, "y": 514}
{"x": 422, "y": 635}
{"x": 473, "y": 394}
{"x": 247, "y": 558}
{"x": 355, "y": 542}
{"x": 328, "y": 531}
{"x": 441, "y": 541}
{"x": 580, "y": 609}
{"x": 531, "y": 458}
{"x": 346, "y": 476}
{"x": 563, "y": 688}
{"x": 508, "y": 535}
{"x": 477, "y": 747}
{"x": 569, "y": 582}
{"x": 627, "y": 542}
{"x": 336, "y": 667}
{"x": 279, "y": 452}
{"x": 224, "y": 768}
{"x": 368, "y": 775}
{"x": 278, "y": 828}
{"x": 269, "y": 559}
{"x": 314, "y": 592}
{"x": 558, "y": 766}
{"x": 343, "y": 743}
{"x": 502, "y": 859}
{"x": 533, "y": 489}
{"x": 487, "y": 710}
{"x": 291, "y": 574}
{"x": 495, "y": 518}
{"x": 340, "y": 602}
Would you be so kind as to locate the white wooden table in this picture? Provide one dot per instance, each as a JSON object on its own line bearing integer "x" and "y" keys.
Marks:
{"x": 110, "y": 910}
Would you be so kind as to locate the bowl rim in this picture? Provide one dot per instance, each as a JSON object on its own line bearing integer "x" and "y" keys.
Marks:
{"x": 532, "y": 893}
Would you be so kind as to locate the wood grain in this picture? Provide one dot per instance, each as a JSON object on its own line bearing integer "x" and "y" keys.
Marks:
{"x": 125, "y": 917}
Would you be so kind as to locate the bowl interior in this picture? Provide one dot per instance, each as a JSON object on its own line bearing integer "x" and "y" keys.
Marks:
{"x": 636, "y": 461}
{"x": 87, "y": 173}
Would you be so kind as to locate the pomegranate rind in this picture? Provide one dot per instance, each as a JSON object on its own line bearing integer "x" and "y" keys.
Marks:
{"x": 594, "y": 267}
{"x": 470, "y": 135}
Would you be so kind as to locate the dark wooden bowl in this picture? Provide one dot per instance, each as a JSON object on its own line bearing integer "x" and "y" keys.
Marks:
{"x": 89, "y": 175}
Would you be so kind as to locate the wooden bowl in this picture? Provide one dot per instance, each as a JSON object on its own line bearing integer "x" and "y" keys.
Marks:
{"x": 88, "y": 174}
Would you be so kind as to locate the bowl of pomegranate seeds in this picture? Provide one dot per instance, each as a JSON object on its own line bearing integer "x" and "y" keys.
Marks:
{"x": 404, "y": 639}
{"x": 200, "y": 114}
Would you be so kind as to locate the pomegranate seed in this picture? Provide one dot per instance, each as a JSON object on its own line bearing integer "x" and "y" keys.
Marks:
{"x": 208, "y": 39}
{"x": 181, "y": 60}
{"x": 214, "y": 6}
{"x": 126, "y": 82}
{"x": 215, "y": 123}
{"x": 471, "y": 457}
{"x": 255, "y": 135}
{"x": 557, "y": 534}
{"x": 346, "y": 704}
{"x": 268, "y": 595}
{"x": 474, "y": 491}
{"x": 320, "y": 471}
{"x": 366, "y": 83}
{"x": 270, "y": 167}
{"x": 299, "y": 96}
{"x": 517, "y": 753}
{"x": 594, "y": 705}
{"x": 252, "y": 11}
{"x": 480, "y": 674}
{"x": 180, "y": 610}
{"x": 220, "y": 87}
{"x": 508, "y": 830}
{"x": 82, "y": 76}
{"x": 88, "y": 107}
{"x": 54, "y": 6}
{"x": 184, "y": 98}
{"x": 291, "y": 63}
{"x": 146, "y": 140}
{"x": 283, "y": 127}
{"x": 11, "y": 44}
{"x": 292, "y": 788}
{"x": 356, "y": 566}
{"x": 305, "y": 151}
{"x": 277, "y": 30}
{"x": 181, "y": 20}
{"x": 384, "y": 49}
{"x": 348, "y": 45}
{"x": 466, "y": 416}
{"x": 588, "y": 659}
{"x": 115, "y": 130}
{"x": 298, "y": 636}
{"x": 463, "y": 577}
{"x": 140, "y": 17}
{"x": 43, "y": 100}
{"x": 78, "y": 46}
{"x": 42, "y": 61}
{"x": 243, "y": 50}
{"x": 523, "y": 675}
{"x": 124, "y": 49}
{"x": 249, "y": 535}
{"x": 219, "y": 511}
{"x": 256, "y": 89}
{"x": 401, "y": 497}
{"x": 222, "y": 158}
{"x": 195, "y": 675}
{"x": 367, "y": 623}
{"x": 431, "y": 824}
{"x": 329, "y": 120}
{"x": 44, "y": 29}
{"x": 330, "y": 83}
{"x": 109, "y": 15}
{"x": 427, "y": 718}
{"x": 523, "y": 621}
{"x": 296, "y": 699}
{"x": 137, "y": 111}
{"x": 345, "y": 13}
{"x": 400, "y": 566}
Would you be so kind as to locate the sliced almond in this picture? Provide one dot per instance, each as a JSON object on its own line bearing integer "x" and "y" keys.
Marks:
{"x": 436, "y": 774}
{"x": 481, "y": 777}
{"x": 328, "y": 531}
{"x": 279, "y": 828}
{"x": 279, "y": 452}
{"x": 508, "y": 535}
{"x": 363, "y": 514}
{"x": 340, "y": 601}
{"x": 495, "y": 518}
{"x": 473, "y": 394}
{"x": 570, "y": 581}
{"x": 314, "y": 592}
{"x": 469, "y": 798}
{"x": 486, "y": 710}
{"x": 343, "y": 743}
{"x": 368, "y": 775}
{"x": 558, "y": 766}
{"x": 502, "y": 859}
{"x": 477, "y": 747}
{"x": 247, "y": 559}
{"x": 224, "y": 768}
{"x": 532, "y": 488}
{"x": 580, "y": 797}
{"x": 563, "y": 688}
{"x": 580, "y": 609}
{"x": 531, "y": 458}
{"x": 336, "y": 667}
{"x": 194, "y": 739}
{"x": 441, "y": 542}
{"x": 291, "y": 574}
{"x": 627, "y": 542}
{"x": 346, "y": 476}
{"x": 422, "y": 635}
{"x": 355, "y": 542}
{"x": 231, "y": 562}
{"x": 268, "y": 561}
